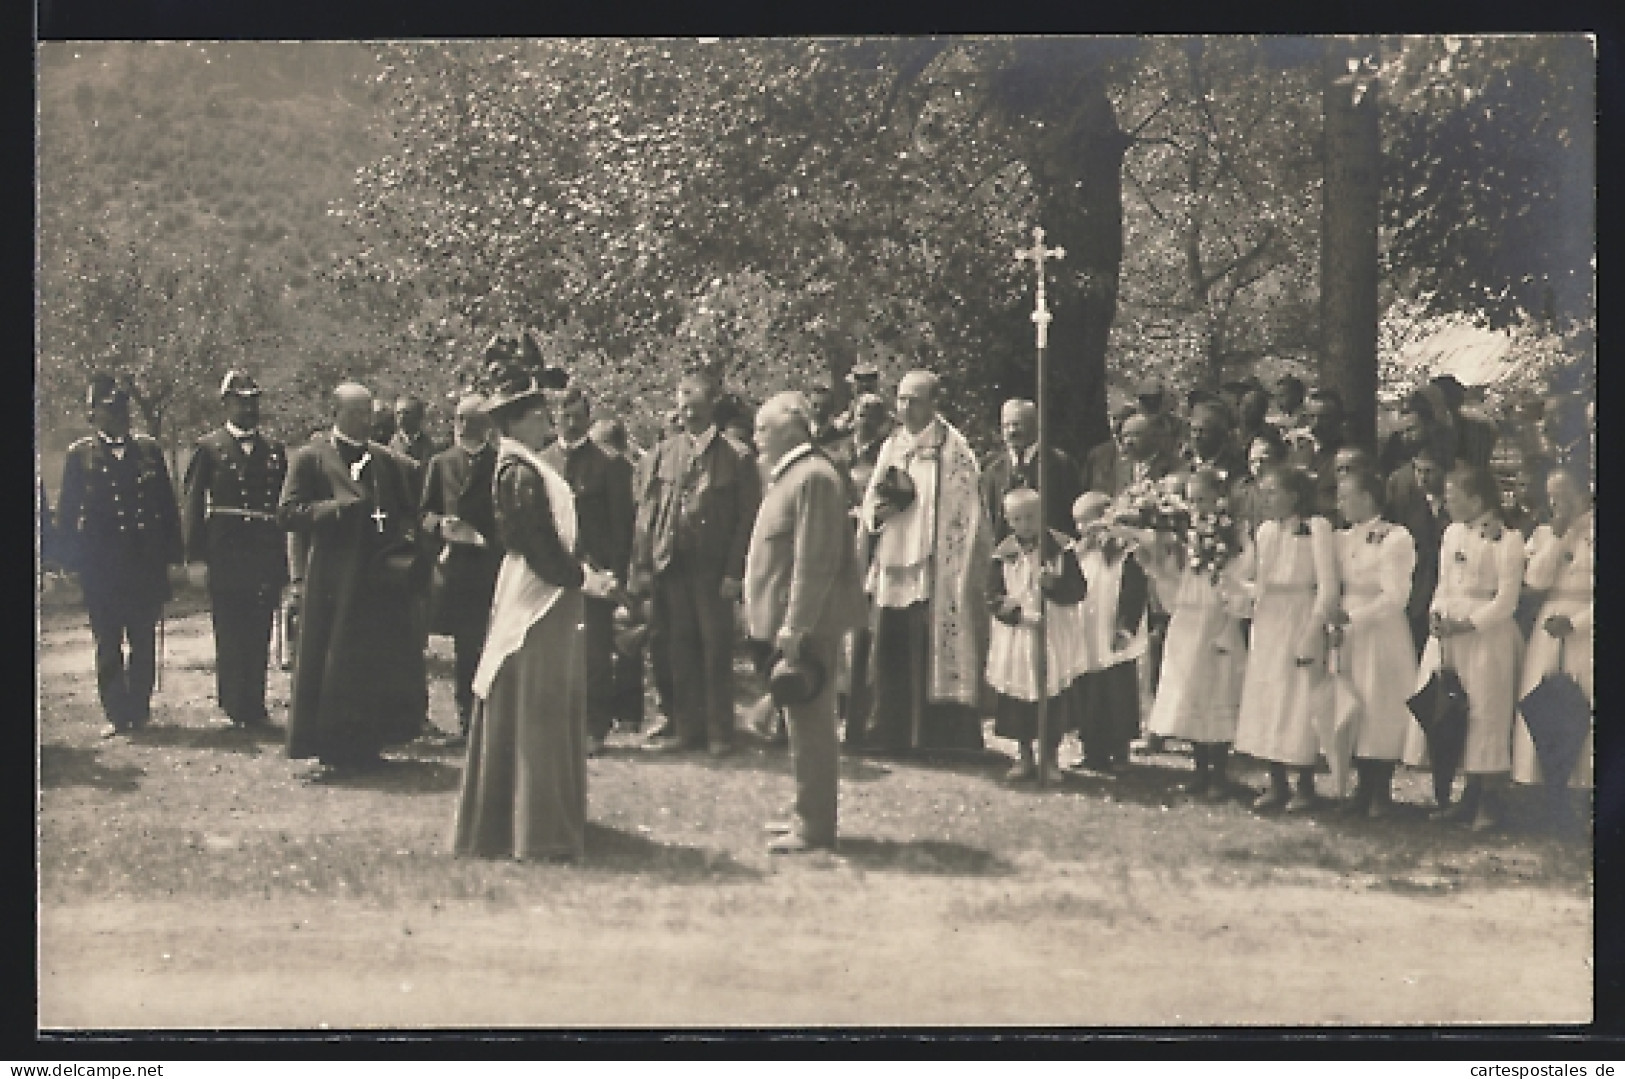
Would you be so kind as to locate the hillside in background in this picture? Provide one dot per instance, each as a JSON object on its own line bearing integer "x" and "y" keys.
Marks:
{"x": 185, "y": 198}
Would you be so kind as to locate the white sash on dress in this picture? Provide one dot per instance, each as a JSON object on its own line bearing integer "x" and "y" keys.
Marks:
{"x": 522, "y": 598}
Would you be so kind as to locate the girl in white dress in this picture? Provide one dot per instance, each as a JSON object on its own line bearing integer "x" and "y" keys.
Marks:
{"x": 1292, "y": 576}
{"x": 1375, "y": 561}
{"x": 1480, "y": 571}
{"x": 1033, "y": 574}
{"x": 1200, "y": 689}
{"x": 1560, "y": 561}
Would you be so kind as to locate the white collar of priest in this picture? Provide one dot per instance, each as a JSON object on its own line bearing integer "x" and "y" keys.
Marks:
{"x": 239, "y": 433}
{"x": 791, "y": 457}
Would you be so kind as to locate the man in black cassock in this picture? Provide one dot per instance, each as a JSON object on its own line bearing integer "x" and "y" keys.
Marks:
{"x": 359, "y": 682}
{"x": 233, "y": 483}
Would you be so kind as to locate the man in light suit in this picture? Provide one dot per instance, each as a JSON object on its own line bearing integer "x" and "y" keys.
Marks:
{"x": 802, "y": 594}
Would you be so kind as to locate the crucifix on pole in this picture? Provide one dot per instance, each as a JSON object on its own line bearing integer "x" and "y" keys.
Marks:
{"x": 1037, "y": 254}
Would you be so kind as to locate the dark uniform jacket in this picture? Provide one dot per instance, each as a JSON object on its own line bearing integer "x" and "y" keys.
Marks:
{"x": 459, "y": 484}
{"x": 230, "y": 511}
{"x": 1000, "y": 476}
{"x": 602, "y": 486}
{"x": 118, "y": 525}
{"x": 697, "y": 503}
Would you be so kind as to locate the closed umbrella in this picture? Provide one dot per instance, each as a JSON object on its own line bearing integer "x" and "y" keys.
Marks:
{"x": 1558, "y": 715}
{"x": 1337, "y": 723}
{"x": 1440, "y": 706}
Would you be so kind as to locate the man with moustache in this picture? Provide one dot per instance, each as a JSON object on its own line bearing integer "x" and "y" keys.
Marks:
{"x": 802, "y": 595}
{"x": 233, "y": 483}
{"x": 457, "y": 510}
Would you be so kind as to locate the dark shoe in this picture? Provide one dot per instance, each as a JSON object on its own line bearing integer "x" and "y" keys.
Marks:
{"x": 1486, "y": 820}
{"x": 1272, "y": 799}
{"x": 1300, "y": 802}
{"x": 1216, "y": 791}
{"x": 720, "y": 749}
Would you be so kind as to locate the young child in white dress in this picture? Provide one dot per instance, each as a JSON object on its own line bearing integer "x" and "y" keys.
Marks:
{"x": 1374, "y": 653}
{"x": 1293, "y": 578}
{"x": 1033, "y": 574}
{"x": 1481, "y": 564}
{"x": 1199, "y": 691}
{"x": 1106, "y": 699}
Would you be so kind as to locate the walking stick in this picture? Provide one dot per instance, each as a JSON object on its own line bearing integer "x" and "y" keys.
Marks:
{"x": 1037, "y": 254}
{"x": 162, "y": 617}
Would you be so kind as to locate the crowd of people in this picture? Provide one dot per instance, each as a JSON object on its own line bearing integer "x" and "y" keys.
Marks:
{"x": 1230, "y": 572}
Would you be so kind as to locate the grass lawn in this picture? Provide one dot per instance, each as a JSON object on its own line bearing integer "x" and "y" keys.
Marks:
{"x": 189, "y": 877}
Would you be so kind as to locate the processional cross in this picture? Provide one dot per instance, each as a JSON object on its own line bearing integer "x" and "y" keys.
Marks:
{"x": 1037, "y": 254}
{"x": 378, "y": 516}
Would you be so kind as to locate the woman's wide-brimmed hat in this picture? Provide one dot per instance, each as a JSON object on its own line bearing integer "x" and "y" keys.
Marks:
{"x": 514, "y": 371}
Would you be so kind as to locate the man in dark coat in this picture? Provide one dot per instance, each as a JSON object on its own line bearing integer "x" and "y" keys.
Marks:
{"x": 1212, "y": 444}
{"x": 603, "y": 497}
{"x": 695, "y": 511}
{"x": 458, "y": 511}
{"x": 855, "y": 457}
{"x": 1416, "y": 500}
{"x": 232, "y": 486}
{"x": 1144, "y": 455}
{"x": 119, "y": 529}
{"x": 410, "y": 438}
{"x": 1323, "y": 415}
{"x": 1475, "y": 437}
{"x": 359, "y": 682}
{"x": 1016, "y": 465}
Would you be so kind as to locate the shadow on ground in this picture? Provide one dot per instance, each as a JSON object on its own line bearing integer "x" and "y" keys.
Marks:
{"x": 398, "y": 775}
{"x": 931, "y": 856}
{"x": 68, "y": 766}
{"x": 617, "y": 851}
{"x": 232, "y": 739}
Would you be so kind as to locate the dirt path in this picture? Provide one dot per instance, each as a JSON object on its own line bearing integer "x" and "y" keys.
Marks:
{"x": 189, "y": 879}
{"x": 813, "y": 947}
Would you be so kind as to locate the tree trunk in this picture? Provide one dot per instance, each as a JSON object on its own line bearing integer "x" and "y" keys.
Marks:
{"x": 1348, "y": 227}
{"x": 1076, "y": 165}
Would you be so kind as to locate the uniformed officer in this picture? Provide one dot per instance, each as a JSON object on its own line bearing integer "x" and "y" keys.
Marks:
{"x": 119, "y": 529}
{"x": 232, "y": 487}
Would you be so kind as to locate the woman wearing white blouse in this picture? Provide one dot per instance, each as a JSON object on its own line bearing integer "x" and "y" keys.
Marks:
{"x": 1480, "y": 571}
{"x": 1375, "y": 560}
{"x": 1560, "y": 561}
{"x": 1293, "y": 580}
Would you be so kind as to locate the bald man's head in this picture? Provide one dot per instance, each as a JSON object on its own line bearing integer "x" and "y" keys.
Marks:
{"x": 782, "y": 424}
{"x": 1139, "y": 438}
{"x": 1018, "y": 423}
{"x": 352, "y": 410}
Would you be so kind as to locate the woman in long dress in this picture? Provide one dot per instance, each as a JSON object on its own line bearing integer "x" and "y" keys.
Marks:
{"x": 1199, "y": 693}
{"x": 1293, "y": 579}
{"x": 1375, "y": 561}
{"x": 524, "y": 792}
{"x": 1480, "y": 571}
{"x": 1560, "y": 561}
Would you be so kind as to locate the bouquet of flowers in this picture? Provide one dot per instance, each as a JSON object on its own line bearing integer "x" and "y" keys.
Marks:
{"x": 1212, "y": 541}
{"x": 1149, "y": 506}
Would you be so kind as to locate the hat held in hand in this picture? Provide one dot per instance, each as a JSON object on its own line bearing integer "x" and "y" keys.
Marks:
{"x": 795, "y": 681}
